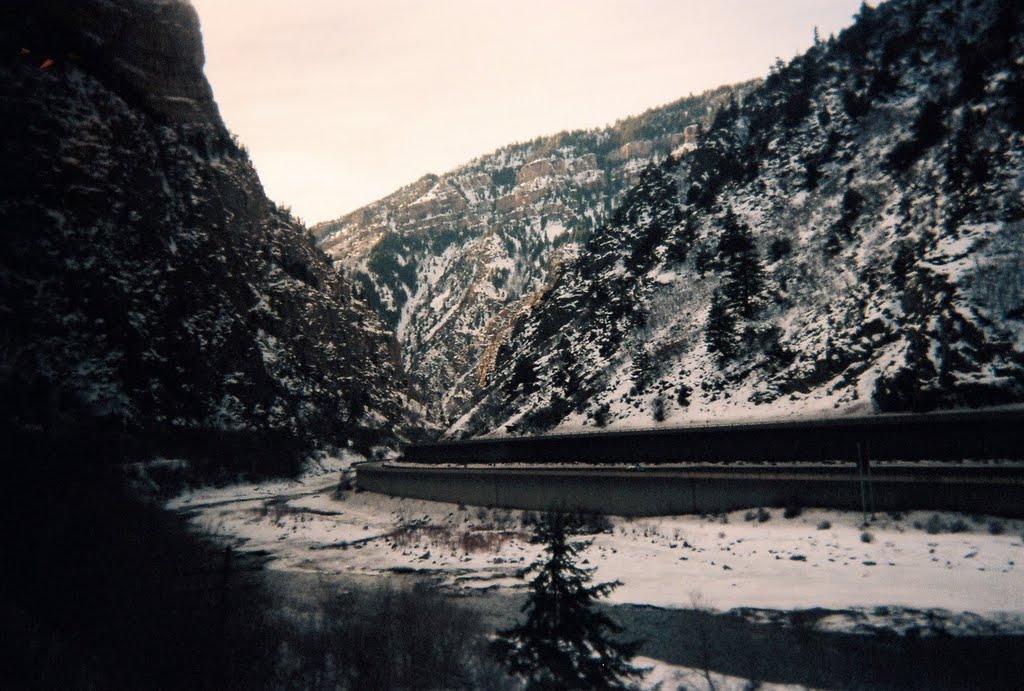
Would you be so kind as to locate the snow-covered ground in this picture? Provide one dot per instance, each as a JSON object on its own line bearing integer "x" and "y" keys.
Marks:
{"x": 905, "y": 574}
{"x": 661, "y": 675}
{"x": 894, "y": 573}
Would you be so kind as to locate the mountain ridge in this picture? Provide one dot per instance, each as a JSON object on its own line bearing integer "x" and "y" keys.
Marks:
{"x": 448, "y": 258}
{"x": 845, "y": 237}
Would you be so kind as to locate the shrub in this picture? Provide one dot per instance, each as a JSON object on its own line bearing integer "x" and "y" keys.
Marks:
{"x": 345, "y": 484}
{"x": 658, "y": 409}
{"x": 936, "y": 525}
{"x": 824, "y": 525}
{"x": 780, "y": 248}
{"x": 763, "y": 515}
{"x": 683, "y": 395}
{"x": 391, "y": 639}
{"x": 867, "y": 537}
{"x": 958, "y": 526}
{"x": 503, "y": 519}
{"x": 996, "y": 527}
{"x": 792, "y": 511}
{"x": 586, "y": 523}
{"x": 928, "y": 130}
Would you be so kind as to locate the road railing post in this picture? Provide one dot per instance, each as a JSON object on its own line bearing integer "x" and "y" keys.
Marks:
{"x": 863, "y": 492}
{"x": 871, "y": 478}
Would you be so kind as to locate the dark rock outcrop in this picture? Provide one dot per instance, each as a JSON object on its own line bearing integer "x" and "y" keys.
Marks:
{"x": 151, "y": 290}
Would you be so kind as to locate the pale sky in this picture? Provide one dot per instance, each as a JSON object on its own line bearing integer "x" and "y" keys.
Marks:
{"x": 342, "y": 102}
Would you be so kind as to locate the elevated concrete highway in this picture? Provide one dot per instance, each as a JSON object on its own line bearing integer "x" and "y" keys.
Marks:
{"x": 989, "y": 490}
{"x": 970, "y": 461}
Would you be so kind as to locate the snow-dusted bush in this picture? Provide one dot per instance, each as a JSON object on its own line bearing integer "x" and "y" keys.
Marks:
{"x": 958, "y": 525}
{"x": 388, "y": 638}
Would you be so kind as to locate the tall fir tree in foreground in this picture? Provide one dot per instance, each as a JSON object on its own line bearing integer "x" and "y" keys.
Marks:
{"x": 565, "y": 642}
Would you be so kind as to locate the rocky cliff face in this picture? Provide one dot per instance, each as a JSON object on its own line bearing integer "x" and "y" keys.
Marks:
{"x": 449, "y": 260}
{"x": 847, "y": 237}
{"x": 150, "y": 286}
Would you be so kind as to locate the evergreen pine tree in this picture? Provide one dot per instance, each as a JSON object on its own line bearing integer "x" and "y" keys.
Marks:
{"x": 720, "y": 329}
{"x": 565, "y": 642}
{"x": 658, "y": 409}
{"x": 643, "y": 372}
{"x": 744, "y": 278}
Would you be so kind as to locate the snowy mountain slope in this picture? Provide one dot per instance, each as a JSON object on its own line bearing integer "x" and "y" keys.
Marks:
{"x": 847, "y": 237}
{"x": 150, "y": 287}
{"x": 448, "y": 260}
